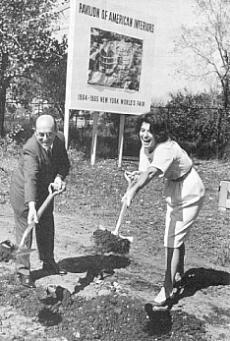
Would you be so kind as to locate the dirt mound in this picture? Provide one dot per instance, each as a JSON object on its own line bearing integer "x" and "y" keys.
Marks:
{"x": 105, "y": 242}
{"x": 107, "y": 318}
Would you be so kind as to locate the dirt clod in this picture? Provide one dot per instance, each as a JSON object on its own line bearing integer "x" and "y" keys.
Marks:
{"x": 7, "y": 249}
{"x": 105, "y": 241}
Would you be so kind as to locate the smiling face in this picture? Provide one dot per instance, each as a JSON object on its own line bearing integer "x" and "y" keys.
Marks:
{"x": 45, "y": 131}
{"x": 148, "y": 140}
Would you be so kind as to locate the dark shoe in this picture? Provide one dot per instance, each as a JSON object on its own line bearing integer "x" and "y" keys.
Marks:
{"x": 26, "y": 281}
{"x": 53, "y": 268}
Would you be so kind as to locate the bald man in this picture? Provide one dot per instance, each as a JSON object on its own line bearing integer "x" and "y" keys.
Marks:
{"x": 44, "y": 160}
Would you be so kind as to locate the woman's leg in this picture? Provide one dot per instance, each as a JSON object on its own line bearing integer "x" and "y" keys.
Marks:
{"x": 170, "y": 258}
{"x": 181, "y": 260}
{"x": 174, "y": 264}
{"x": 172, "y": 261}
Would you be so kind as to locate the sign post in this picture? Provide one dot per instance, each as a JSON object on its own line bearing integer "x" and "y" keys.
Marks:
{"x": 94, "y": 139}
{"x": 121, "y": 139}
{"x": 66, "y": 127}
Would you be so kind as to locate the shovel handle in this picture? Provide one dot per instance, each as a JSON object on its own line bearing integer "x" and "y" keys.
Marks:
{"x": 48, "y": 200}
{"x": 123, "y": 208}
{"x": 25, "y": 235}
{"x": 45, "y": 204}
{"x": 40, "y": 212}
{"x": 121, "y": 217}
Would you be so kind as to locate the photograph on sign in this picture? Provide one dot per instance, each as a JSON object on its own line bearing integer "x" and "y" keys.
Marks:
{"x": 115, "y": 60}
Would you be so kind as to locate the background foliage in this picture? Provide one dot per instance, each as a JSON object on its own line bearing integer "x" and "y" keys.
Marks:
{"x": 33, "y": 70}
{"x": 28, "y": 49}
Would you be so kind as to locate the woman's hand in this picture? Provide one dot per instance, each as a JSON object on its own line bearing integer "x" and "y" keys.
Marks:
{"x": 133, "y": 176}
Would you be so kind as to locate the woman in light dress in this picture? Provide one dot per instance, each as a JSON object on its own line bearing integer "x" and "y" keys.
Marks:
{"x": 160, "y": 156}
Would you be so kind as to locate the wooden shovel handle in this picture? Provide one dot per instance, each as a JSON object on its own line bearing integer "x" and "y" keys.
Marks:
{"x": 121, "y": 217}
{"x": 40, "y": 212}
{"x": 123, "y": 208}
{"x": 45, "y": 204}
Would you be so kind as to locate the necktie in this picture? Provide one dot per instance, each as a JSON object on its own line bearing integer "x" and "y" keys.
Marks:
{"x": 49, "y": 153}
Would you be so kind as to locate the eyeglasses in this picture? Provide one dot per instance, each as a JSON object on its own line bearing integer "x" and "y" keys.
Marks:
{"x": 48, "y": 135}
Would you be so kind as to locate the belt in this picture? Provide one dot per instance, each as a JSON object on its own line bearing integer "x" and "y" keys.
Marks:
{"x": 181, "y": 178}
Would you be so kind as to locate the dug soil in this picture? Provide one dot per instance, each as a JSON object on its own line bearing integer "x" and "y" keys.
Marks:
{"x": 108, "y": 297}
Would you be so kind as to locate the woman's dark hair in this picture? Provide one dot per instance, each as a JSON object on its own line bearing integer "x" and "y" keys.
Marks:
{"x": 158, "y": 125}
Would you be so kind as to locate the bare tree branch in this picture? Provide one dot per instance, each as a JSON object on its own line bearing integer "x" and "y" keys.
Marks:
{"x": 209, "y": 42}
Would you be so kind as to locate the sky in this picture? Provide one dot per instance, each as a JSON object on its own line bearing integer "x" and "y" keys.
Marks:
{"x": 169, "y": 16}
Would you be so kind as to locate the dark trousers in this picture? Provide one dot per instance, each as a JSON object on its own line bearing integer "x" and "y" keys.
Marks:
{"x": 44, "y": 236}
{"x": 22, "y": 262}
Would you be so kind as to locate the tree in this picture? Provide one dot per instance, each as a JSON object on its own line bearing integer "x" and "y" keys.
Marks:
{"x": 209, "y": 43}
{"x": 46, "y": 80}
{"x": 51, "y": 74}
{"x": 25, "y": 39}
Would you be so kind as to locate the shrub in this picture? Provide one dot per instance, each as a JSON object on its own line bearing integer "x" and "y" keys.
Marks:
{"x": 199, "y": 126}
{"x": 107, "y": 141}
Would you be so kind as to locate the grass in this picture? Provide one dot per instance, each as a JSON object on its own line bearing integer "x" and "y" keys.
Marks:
{"x": 223, "y": 256}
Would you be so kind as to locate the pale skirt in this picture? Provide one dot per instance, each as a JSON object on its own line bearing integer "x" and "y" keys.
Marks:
{"x": 184, "y": 200}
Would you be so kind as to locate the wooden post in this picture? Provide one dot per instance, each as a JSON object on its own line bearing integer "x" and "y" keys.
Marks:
{"x": 94, "y": 139}
{"x": 121, "y": 139}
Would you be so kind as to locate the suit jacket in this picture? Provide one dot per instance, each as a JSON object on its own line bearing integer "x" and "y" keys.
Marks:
{"x": 36, "y": 171}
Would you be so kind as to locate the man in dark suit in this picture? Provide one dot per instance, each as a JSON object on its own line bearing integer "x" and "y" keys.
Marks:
{"x": 44, "y": 161}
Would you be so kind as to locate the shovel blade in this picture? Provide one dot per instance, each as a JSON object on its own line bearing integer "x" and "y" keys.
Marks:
{"x": 130, "y": 239}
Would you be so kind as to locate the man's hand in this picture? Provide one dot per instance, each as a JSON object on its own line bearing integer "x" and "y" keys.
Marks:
{"x": 32, "y": 214}
{"x": 59, "y": 185}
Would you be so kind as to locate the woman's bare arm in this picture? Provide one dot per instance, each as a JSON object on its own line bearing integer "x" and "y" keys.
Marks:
{"x": 143, "y": 179}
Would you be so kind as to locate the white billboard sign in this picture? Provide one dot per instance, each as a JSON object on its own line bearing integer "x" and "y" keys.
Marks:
{"x": 110, "y": 57}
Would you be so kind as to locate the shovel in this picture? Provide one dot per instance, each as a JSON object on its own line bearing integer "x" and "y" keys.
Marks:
{"x": 122, "y": 215}
{"x": 113, "y": 241}
{"x": 119, "y": 222}
{"x": 21, "y": 250}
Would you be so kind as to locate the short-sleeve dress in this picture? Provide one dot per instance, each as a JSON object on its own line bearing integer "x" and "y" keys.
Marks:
{"x": 184, "y": 190}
